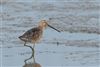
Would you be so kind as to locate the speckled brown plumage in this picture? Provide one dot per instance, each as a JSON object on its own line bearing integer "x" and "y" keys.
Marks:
{"x": 34, "y": 35}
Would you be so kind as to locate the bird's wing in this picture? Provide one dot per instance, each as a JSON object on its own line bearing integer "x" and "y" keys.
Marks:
{"x": 32, "y": 32}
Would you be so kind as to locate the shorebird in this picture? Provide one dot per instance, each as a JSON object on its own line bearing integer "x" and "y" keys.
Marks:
{"x": 34, "y": 35}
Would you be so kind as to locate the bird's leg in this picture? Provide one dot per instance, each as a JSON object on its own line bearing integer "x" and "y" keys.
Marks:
{"x": 28, "y": 46}
{"x": 28, "y": 58}
{"x": 32, "y": 52}
{"x": 33, "y": 59}
{"x": 33, "y": 45}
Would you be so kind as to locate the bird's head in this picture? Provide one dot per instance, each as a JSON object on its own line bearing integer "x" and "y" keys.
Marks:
{"x": 43, "y": 24}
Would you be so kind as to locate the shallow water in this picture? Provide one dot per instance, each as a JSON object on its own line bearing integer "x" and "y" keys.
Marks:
{"x": 76, "y": 46}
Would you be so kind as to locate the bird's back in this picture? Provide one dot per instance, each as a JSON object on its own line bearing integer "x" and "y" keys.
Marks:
{"x": 32, "y": 35}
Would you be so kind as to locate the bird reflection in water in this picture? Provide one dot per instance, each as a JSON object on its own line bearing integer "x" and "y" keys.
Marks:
{"x": 32, "y": 65}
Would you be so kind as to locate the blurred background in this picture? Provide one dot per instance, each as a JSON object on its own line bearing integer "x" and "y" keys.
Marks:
{"x": 77, "y": 45}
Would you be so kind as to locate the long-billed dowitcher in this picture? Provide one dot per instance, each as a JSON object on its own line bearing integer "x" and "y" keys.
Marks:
{"x": 34, "y": 35}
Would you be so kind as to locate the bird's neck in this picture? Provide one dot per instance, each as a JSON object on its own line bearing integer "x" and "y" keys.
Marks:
{"x": 41, "y": 27}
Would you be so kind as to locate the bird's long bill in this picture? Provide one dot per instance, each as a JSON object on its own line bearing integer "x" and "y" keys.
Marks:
{"x": 53, "y": 28}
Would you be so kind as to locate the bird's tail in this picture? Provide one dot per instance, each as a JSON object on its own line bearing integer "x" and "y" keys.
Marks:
{"x": 22, "y": 38}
